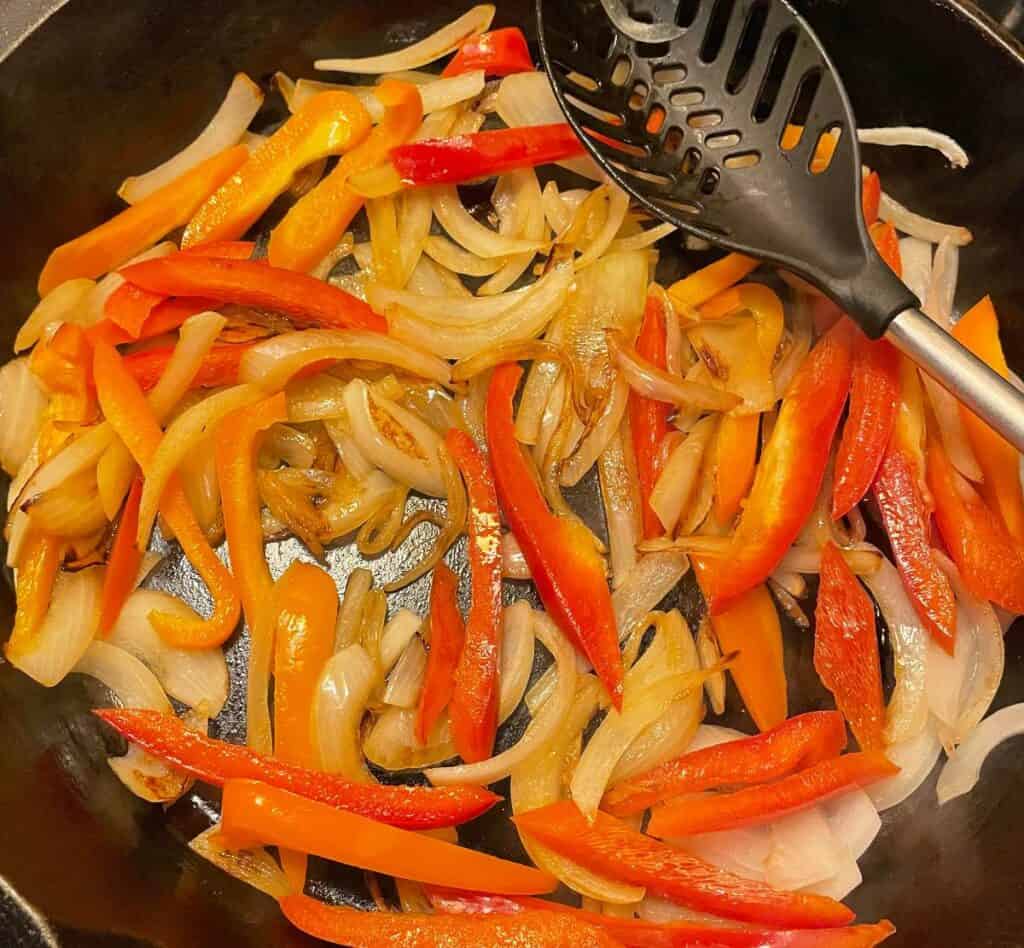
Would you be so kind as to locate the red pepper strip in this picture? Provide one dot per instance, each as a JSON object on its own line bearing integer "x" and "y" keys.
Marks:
{"x": 342, "y": 925}
{"x": 710, "y": 812}
{"x": 797, "y": 743}
{"x": 123, "y": 562}
{"x": 483, "y": 154}
{"x": 129, "y": 414}
{"x": 566, "y": 568}
{"x": 447, "y": 635}
{"x": 474, "y": 705}
{"x": 887, "y": 243}
{"x": 613, "y": 848}
{"x": 635, "y": 933}
{"x": 871, "y": 197}
{"x": 215, "y": 762}
{"x": 990, "y": 561}
{"x": 254, "y": 812}
{"x": 219, "y": 366}
{"x": 129, "y": 307}
{"x": 791, "y": 469}
{"x": 498, "y": 53}
{"x": 648, "y": 418}
{"x": 304, "y": 299}
{"x": 165, "y": 317}
{"x": 846, "y": 649}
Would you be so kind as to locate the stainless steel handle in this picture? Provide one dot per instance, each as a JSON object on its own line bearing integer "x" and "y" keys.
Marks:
{"x": 985, "y": 392}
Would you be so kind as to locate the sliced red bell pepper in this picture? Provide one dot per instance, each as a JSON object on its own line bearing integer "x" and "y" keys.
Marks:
{"x": 791, "y": 469}
{"x": 474, "y": 704}
{"x": 304, "y": 299}
{"x": 219, "y": 366}
{"x": 613, "y": 848}
{"x": 797, "y": 743}
{"x": 871, "y": 197}
{"x": 648, "y": 418}
{"x": 129, "y": 306}
{"x": 497, "y": 53}
{"x": 483, "y": 154}
{"x": 447, "y": 635}
{"x": 342, "y": 925}
{"x": 566, "y": 568}
{"x": 215, "y": 762}
{"x": 123, "y": 562}
{"x": 846, "y": 649}
{"x": 887, "y": 243}
{"x": 164, "y": 317}
{"x": 635, "y": 933}
{"x": 990, "y": 561}
{"x": 257, "y": 813}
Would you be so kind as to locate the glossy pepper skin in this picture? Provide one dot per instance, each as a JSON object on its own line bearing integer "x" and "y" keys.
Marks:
{"x": 797, "y": 743}
{"x": 613, "y": 848}
{"x": 497, "y": 53}
{"x": 447, "y": 635}
{"x": 123, "y": 562}
{"x": 710, "y": 813}
{"x": 474, "y": 705}
{"x": 215, "y": 762}
{"x": 219, "y": 366}
{"x": 565, "y": 566}
{"x": 165, "y": 316}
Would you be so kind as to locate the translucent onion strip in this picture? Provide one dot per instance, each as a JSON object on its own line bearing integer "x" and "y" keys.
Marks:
{"x": 963, "y": 769}
{"x": 906, "y": 221}
{"x": 650, "y": 581}
{"x": 516, "y": 661}
{"x": 22, "y": 406}
{"x": 916, "y": 136}
{"x": 915, "y": 758}
{"x": 405, "y": 682}
{"x": 350, "y": 612}
{"x": 66, "y": 303}
{"x": 620, "y": 495}
{"x": 675, "y": 485}
{"x": 255, "y": 867}
{"x": 342, "y": 695}
{"x": 466, "y": 230}
{"x": 599, "y": 435}
{"x": 451, "y": 255}
{"x": 513, "y": 563}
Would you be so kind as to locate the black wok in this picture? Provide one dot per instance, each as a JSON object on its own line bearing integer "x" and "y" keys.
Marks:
{"x": 104, "y": 89}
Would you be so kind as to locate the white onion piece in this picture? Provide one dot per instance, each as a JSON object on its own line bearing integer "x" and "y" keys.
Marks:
{"x": 804, "y": 850}
{"x": 342, "y": 695}
{"x": 711, "y": 735}
{"x": 22, "y": 406}
{"x": 444, "y": 41}
{"x": 65, "y": 303}
{"x": 620, "y": 495}
{"x": 948, "y": 674}
{"x": 906, "y": 221}
{"x": 527, "y": 223}
{"x": 225, "y": 129}
{"x": 941, "y": 290}
{"x": 853, "y": 819}
{"x": 618, "y": 205}
{"x": 664, "y": 739}
{"x": 963, "y": 769}
{"x": 398, "y": 633}
{"x": 272, "y": 363}
{"x": 255, "y": 867}
{"x": 907, "y": 713}
{"x": 513, "y": 562}
{"x": 536, "y": 392}
{"x": 516, "y": 655}
{"x": 66, "y": 630}
{"x": 196, "y": 677}
{"x": 436, "y": 94}
{"x": 863, "y": 559}
{"x": 840, "y": 885}
{"x": 392, "y": 743}
{"x": 915, "y": 758}
{"x": 742, "y": 851}
{"x": 641, "y": 240}
{"x": 449, "y": 254}
{"x": 599, "y": 436}
{"x": 195, "y": 338}
{"x": 916, "y": 257}
{"x": 678, "y": 478}
{"x": 650, "y": 581}
{"x": 405, "y": 682}
{"x": 540, "y": 730}
{"x": 664, "y": 912}
{"x": 366, "y": 411}
{"x": 916, "y": 136}
{"x": 711, "y": 655}
{"x": 466, "y": 230}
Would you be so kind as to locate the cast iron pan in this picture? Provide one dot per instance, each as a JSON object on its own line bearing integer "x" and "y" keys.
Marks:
{"x": 105, "y": 89}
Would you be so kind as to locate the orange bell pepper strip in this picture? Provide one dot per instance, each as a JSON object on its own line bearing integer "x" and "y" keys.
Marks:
{"x": 258, "y": 813}
{"x": 709, "y": 281}
{"x": 887, "y": 243}
{"x": 123, "y": 562}
{"x": 166, "y": 316}
{"x": 447, "y": 635}
{"x": 711, "y": 812}
{"x": 474, "y": 705}
{"x": 63, "y": 364}
{"x": 566, "y": 568}
{"x": 106, "y": 247}
{"x": 735, "y": 463}
{"x": 304, "y": 299}
{"x": 219, "y": 366}
{"x": 38, "y": 564}
{"x": 316, "y": 222}
{"x": 978, "y": 330}
{"x": 342, "y": 925}
{"x": 235, "y": 448}
{"x": 871, "y": 197}
{"x": 215, "y": 762}
{"x": 329, "y": 123}
{"x": 129, "y": 414}
{"x": 497, "y": 53}
{"x": 648, "y": 418}
{"x": 793, "y": 745}
{"x": 846, "y": 649}
{"x": 790, "y": 472}
{"x": 614, "y": 849}
{"x": 129, "y": 306}
{"x": 989, "y": 559}
{"x": 225, "y": 249}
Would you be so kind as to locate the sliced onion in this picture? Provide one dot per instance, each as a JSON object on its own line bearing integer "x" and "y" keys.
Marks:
{"x": 599, "y": 436}
{"x": 444, "y": 41}
{"x": 917, "y": 136}
{"x": 675, "y": 485}
{"x": 272, "y": 363}
{"x": 618, "y": 205}
{"x": 516, "y": 659}
{"x": 963, "y": 769}
{"x": 436, "y": 93}
{"x": 862, "y": 559}
{"x": 664, "y": 739}
{"x": 938, "y": 300}
{"x": 905, "y": 220}
{"x": 650, "y": 581}
{"x": 65, "y": 303}
{"x": 537, "y": 392}
{"x": 915, "y": 758}
{"x": 398, "y": 632}
{"x": 405, "y": 682}
{"x": 350, "y": 613}
{"x": 284, "y": 444}
{"x": 66, "y": 630}
{"x": 711, "y": 655}
{"x": 72, "y": 510}
{"x": 196, "y": 677}
{"x": 853, "y": 819}
{"x": 466, "y": 230}
{"x": 391, "y": 742}
{"x": 22, "y": 406}
{"x": 196, "y": 337}
{"x": 804, "y": 850}
{"x": 620, "y": 495}
{"x": 527, "y": 222}
{"x": 642, "y": 239}
{"x": 513, "y": 563}
{"x": 741, "y": 851}
{"x": 227, "y": 126}
{"x": 451, "y": 255}
{"x": 319, "y": 397}
{"x": 916, "y": 258}
{"x": 342, "y": 695}
{"x": 255, "y": 867}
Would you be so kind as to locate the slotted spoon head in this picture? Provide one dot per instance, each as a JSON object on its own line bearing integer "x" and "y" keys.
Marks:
{"x": 717, "y": 130}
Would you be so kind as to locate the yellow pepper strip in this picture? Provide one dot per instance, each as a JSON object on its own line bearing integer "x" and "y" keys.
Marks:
{"x": 235, "y": 446}
{"x": 327, "y": 124}
{"x": 709, "y": 281}
{"x": 978, "y": 330}
{"x": 735, "y": 461}
{"x": 317, "y": 221}
{"x": 106, "y": 247}
{"x": 37, "y": 569}
{"x": 126, "y": 408}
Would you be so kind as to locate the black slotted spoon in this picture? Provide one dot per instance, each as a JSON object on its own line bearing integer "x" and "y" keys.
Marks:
{"x": 713, "y": 128}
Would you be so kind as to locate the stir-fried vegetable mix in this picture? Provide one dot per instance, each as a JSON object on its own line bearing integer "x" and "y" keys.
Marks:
{"x": 198, "y": 374}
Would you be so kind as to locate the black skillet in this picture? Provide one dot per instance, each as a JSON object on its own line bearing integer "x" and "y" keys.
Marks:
{"x": 104, "y": 89}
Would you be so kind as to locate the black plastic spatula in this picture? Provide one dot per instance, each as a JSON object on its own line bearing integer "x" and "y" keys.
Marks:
{"x": 716, "y": 115}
